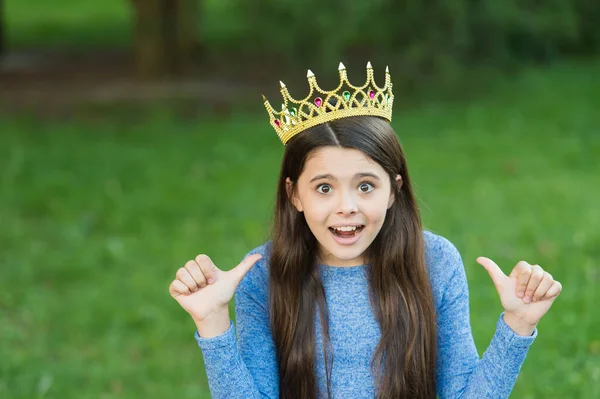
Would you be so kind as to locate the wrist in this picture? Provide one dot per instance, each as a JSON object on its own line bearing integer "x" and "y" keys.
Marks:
{"x": 214, "y": 325}
{"x": 518, "y": 325}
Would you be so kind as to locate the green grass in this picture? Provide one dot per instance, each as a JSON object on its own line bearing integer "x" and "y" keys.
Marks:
{"x": 98, "y": 213}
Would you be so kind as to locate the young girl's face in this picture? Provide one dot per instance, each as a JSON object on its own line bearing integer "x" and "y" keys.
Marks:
{"x": 344, "y": 196}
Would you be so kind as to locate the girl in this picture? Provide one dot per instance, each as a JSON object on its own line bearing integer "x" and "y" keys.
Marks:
{"x": 351, "y": 298}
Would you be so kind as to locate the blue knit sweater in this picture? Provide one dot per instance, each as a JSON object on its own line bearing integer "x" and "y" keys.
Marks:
{"x": 245, "y": 366}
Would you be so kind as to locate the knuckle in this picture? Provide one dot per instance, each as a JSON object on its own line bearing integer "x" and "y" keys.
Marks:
{"x": 524, "y": 282}
{"x": 202, "y": 258}
{"x": 200, "y": 280}
{"x": 523, "y": 264}
{"x": 180, "y": 272}
{"x": 189, "y": 264}
{"x": 181, "y": 287}
{"x": 199, "y": 276}
{"x": 206, "y": 270}
{"x": 525, "y": 274}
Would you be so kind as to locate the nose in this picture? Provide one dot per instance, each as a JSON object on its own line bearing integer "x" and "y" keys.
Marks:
{"x": 347, "y": 204}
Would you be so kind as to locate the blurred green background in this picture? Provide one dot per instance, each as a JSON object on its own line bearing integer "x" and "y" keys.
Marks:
{"x": 132, "y": 137}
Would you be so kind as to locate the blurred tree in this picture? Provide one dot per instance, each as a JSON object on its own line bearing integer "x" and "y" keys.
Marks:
{"x": 589, "y": 21}
{"x": 165, "y": 36}
{"x": 432, "y": 42}
{"x": 2, "y": 36}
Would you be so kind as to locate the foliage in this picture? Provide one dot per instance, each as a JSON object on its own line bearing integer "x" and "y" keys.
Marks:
{"x": 433, "y": 35}
{"x": 424, "y": 37}
{"x": 37, "y": 23}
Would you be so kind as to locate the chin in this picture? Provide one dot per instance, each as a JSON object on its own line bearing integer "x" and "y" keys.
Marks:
{"x": 345, "y": 254}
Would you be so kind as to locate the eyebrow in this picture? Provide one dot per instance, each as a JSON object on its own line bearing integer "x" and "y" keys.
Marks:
{"x": 356, "y": 176}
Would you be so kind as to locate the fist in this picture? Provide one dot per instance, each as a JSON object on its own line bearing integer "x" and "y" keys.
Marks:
{"x": 527, "y": 293}
{"x": 202, "y": 289}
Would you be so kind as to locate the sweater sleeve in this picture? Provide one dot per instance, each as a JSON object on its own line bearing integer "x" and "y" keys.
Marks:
{"x": 460, "y": 373}
{"x": 246, "y": 367}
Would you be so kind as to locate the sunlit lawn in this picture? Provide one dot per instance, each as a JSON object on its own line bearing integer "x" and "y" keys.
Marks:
{"x": 97, "y": 214}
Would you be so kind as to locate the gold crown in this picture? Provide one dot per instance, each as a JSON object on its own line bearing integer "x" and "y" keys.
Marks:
{"x": 345, "y": 100}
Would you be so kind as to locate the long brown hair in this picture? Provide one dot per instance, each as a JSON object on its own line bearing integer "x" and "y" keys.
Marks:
{"x": 401, "y": 296}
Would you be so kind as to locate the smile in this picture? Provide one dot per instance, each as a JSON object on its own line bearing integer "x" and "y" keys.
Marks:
{"x": 346, "y": 235}
{"x": 346, "y": 231}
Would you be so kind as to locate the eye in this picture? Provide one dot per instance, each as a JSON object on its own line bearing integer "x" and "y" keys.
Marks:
{"x": 365, "y": 187}
{"x": 324, "y": 188}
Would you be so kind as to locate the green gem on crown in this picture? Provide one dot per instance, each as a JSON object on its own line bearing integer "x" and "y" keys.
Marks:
{"x": 346, "y": 95}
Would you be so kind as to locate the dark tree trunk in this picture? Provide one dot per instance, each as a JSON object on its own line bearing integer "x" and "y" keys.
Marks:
{"x": 165, "y": 39}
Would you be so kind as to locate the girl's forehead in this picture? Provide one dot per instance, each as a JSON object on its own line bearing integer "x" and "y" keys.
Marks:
{"x": 340, "y": 161}
{"x": 329, "y": 154}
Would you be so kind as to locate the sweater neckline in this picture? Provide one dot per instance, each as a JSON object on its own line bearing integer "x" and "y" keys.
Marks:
{"x": 342, "y": 270}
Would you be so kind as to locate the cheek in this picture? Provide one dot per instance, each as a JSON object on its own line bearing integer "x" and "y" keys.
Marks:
{"x": 376, "y": 209}
{"x": 317, "y": 212}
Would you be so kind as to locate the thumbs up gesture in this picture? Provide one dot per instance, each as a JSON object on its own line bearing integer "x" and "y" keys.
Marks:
{"x": 526, "y": 294}
{"x": 203, "y": 290}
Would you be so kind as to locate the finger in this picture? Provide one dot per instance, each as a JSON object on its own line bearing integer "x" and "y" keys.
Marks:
{"x": 544, "y": 286}
{"x": 207, "y": 267}
{"x": 184, "y": 276}
{"x": 534, "y": 280}
{"x": 523, "y": 272}
{"x": 194, "y": 271}
{"x": 497, "y": 275}
{"x": 554, "y": 290}
{"x": 177, "y": 288}
{"x": 244, "y": 267}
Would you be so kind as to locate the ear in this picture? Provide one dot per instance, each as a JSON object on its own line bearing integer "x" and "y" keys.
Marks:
{"x": 392, "y": 196}
{"x": 292, "y": 195}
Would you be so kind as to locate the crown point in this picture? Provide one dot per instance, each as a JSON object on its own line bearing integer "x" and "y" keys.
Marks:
{"x": 309, "y": 74}
{"x": 341, "y": 67}
{"x": 387, "y": 69}
{"x": 264, "y": 98}
{"x": 369, "y": 65}
{"x": 282, "y": 84}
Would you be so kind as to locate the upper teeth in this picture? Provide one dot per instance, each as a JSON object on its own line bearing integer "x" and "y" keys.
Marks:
{"x": 346, "y": 228}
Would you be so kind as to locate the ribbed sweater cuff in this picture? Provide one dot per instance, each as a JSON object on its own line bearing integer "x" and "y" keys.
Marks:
{"x": 226, "y": 339}
{"x": 509, "y": 349}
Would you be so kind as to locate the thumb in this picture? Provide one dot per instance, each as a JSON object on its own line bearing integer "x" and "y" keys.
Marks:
{"x": 497, "y": 275}
{"x": 244, "y": 267}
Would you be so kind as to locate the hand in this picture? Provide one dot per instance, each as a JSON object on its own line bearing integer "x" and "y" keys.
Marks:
{"x": 527, "y": 293}
{"x": 202, "y": 289}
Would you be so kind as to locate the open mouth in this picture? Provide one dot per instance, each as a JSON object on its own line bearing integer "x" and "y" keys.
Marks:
{"x": 346, "y": 231}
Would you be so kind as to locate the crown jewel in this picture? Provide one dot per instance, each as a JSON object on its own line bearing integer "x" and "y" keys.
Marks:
{"x": 321, "y": 106}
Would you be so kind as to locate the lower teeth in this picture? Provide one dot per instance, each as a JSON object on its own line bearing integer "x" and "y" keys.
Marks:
{"x": 340, "y": 234}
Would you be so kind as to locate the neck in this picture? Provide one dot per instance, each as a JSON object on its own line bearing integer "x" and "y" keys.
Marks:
{"x": 330, "y": 260}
